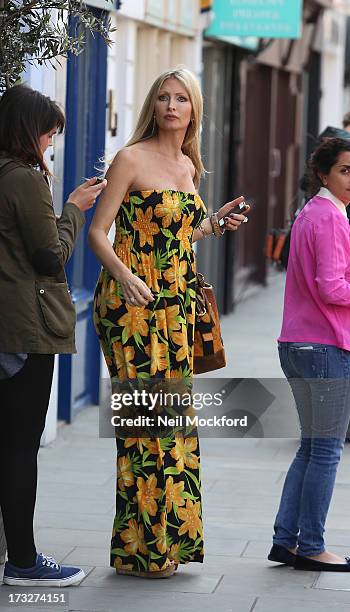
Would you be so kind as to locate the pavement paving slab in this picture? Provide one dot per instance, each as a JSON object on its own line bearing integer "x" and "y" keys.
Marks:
{"x": 242, "y": 483}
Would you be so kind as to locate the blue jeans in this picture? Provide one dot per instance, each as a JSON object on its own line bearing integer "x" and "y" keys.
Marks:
{"x": 319, "y": 376}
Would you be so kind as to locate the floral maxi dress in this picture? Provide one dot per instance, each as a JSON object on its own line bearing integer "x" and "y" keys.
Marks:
{"x": 158, "y": 499}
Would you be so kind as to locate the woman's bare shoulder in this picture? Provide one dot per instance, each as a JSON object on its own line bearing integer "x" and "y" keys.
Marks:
{"x": 129, "y": 155}
{"x": 123, "y": 155}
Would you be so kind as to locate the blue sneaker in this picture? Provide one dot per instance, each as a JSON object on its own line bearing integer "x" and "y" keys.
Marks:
{"x": 46, "y": 572}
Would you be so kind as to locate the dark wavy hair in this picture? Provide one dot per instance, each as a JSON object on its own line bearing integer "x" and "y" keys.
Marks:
{"x": 321, "y": 162}
{"x": 25, "y": 116}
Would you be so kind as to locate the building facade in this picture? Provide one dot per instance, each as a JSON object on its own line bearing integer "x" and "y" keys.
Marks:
{"x": 265, "y": 102}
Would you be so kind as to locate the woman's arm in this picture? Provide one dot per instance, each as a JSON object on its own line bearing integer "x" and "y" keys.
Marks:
{"x": 49, "y": 242}
{"x": 35, "y": 218}
{"x": 233, "y": 221}
{"x": 332, "y": 260}
{"x": 120, "y": 176}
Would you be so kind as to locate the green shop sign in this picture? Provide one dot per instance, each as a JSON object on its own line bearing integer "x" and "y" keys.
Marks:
{"x": 259, "y": 18}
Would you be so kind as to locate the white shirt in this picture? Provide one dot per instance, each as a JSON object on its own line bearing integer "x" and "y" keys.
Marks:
{"x": 325, "y": 193}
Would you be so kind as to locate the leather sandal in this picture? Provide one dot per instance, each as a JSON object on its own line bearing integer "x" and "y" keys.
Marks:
{"x": 165, "y": 573}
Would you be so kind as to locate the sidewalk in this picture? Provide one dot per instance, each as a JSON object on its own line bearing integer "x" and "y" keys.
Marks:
{"x": 242, "y": 480}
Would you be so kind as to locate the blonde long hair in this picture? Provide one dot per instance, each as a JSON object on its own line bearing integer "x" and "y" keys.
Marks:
{"x": 146, "y": 126}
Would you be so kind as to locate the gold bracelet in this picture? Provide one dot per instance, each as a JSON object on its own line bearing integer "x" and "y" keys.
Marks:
{"x": 215, "y": 225}
{"x": 201, "y": 228}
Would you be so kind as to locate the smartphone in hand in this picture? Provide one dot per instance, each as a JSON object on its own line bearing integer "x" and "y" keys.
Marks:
{"x": 238, "y": 209}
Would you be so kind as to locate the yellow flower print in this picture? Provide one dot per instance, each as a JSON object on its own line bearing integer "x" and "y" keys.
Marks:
{"x": 174, "y": 553}
{"x": 118, "y": 564}
{"x": 191, "y": 315}
{"x": 146, "y": 194}
{"x": 123, "y": 249}
{"x": 183, "y": 453}
{"x": 169, "y": 209}
{"x": 181, "y": 339}
{"x": 147, "y": 269}
{"x": 175, "y": 374}
{"x": 124, "y": 473}
{"x": 134, "y": 538}
{"x": 158, "y": 353}
{"x": 123, "y": 356}
{"x": 159, "y": 530}
{"x": 192, "y": 522}
{"x": 176, "y": 275}
{"x": 160, "y": 319}
{"x": 134, "y": 321}
{"x": 185, "y": 231}
{"x": 124, "y": 243}
{"x": 153, "y": 567}
{"x": 173, "y": 493}
{"x": 198, "y": 202}
{"x": 147, "y": 494}
{"x": 140, "y": 442}
{"x": 171, "y": 313}
{"x": 108, "y": 297}
{"x": 155, "y": 449}
{"x": 145, "y": 226}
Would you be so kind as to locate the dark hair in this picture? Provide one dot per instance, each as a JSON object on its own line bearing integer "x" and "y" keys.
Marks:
{"x": 346, "y": 120}
{"x": 25, "y": 115}
{"x": 322, "y": 161}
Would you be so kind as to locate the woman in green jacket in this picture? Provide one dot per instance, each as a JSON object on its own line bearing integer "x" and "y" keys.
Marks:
{"x": 37, "y": 317}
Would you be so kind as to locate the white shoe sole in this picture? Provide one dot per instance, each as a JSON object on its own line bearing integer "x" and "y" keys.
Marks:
{"x": 46, "y": 582}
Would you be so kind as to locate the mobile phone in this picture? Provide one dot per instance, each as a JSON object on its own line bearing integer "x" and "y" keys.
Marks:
{"x": 238, "y": 209}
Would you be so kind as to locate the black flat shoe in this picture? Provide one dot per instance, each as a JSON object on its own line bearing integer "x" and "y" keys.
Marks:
{"x": 281, "y": 555}
{"x": 311, "y": 565}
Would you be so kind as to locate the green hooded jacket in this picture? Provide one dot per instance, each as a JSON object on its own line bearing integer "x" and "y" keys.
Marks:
{"x": 36, "y": 311}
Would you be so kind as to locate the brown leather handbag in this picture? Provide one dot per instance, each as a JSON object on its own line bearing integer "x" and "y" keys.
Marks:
{"x": 209, "y": 353}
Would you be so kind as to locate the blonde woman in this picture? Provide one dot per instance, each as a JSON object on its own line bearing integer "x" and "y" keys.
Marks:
{"x": 144, "y": 317}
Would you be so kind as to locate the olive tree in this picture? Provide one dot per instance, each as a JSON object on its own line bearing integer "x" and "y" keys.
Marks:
{"x": 41, "y": 31}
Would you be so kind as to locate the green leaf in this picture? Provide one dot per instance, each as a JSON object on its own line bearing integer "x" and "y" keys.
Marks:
{"x": 167, "y": 293}
{"x": 145, "y": 455}
{"x": 107, "y": 323}
{"x": 193, "y": 477}
{"x": 143, "y": 375}
{"x": 172, "y": 471}
{"x": 125, "y": 335}
{"x": 120, "y": 552}
{"x": 123, "y": 495}
{"x": 142, "y": 561}
{"x": 154, "y": 556}
{"x": 136, "y": 200}
{"x": 138, "y": 340}
{"x": 146, "y": 518}
{"x": 149, "y": 464}
{"x": 168, "y": 233}
{"x": 187, "y": 495}
{"x": 143, "y": 365}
